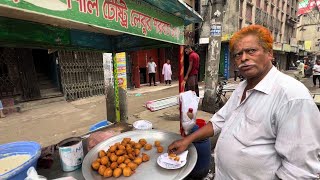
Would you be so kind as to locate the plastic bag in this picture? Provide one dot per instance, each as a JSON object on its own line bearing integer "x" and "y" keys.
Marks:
{"x": 33, "y": 175}
{"x": 188, "y": 100}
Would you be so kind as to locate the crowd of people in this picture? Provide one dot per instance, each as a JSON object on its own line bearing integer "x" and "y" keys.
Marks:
{"x": 306, "y": 69}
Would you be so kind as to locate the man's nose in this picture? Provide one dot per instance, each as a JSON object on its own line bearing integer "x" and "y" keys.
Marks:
{"x": 244, "y": 56}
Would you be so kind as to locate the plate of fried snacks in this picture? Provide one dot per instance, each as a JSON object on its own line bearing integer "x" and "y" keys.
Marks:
{"x": 135, "y": 155}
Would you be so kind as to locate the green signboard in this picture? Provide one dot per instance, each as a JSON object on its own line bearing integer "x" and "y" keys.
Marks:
{"x": 128, "y": 16}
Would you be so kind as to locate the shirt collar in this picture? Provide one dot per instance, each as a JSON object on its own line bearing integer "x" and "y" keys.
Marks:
{"x": 265, "y": 85}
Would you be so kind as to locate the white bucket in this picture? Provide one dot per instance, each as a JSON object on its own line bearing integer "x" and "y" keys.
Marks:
{"x": 71, "y": 153}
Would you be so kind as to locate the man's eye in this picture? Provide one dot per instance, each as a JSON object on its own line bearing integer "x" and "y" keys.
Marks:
{"x": 251, "y": 51}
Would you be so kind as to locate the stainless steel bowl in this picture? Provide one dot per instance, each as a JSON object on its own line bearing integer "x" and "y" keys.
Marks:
{"x": 148, "y": 170}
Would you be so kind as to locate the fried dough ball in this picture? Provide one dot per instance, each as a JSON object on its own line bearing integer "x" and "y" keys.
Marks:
{"x": 129, "y": 151}
{"x": 172, "y": 155}
{"x": 160, "y": 149}
{"x": 124, "y": 143}
{"x": 101, "y": 170}
{"x": 138, "y": 160}
{"x": 95, "y": 165}
{"x": 137, "y": 152}
{"x": 117, "y": 172}
{"x": 125, "y": 156}
{"x": 113, "y": 148}
{"x": 132, "y": 143}
{"x": 109, "y": 154}
{"x": 147, "y": 146}
{"x": 98, "y": 160}
{"x": 108, "y": 172}
{"x": 102, "y": 153}
{"x": 127, "y": 171}
{"x": 127, "y": 139}
{"x": 113, "y": 157}
{"x": 121, "y": 147}
{"x": 127, "y": 161}
{"x": 104, "y": 160}
{"x": 133, "y": 166}
{"x": 142, "y": 142}
{"x": 120, "y": 152}
{"x": 120, "y": 159}
{"x": 123, "y": 165}
{"x": 145, "y": 157}
{"x": 157, "y": 143}
{"x": 137, "y": 146}
{"x": 114, "y": 165}
{"x": 131, "y": 156}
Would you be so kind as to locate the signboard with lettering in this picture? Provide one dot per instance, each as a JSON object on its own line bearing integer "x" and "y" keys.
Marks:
{"x": 226, "y": 62}
{"x": 129, "y": 16}
{"x": 122, "y": 71}
{"x": 215, "y": 30}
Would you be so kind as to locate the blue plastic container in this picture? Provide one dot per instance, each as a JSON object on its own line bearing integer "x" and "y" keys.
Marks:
{"x": 20, "y": 148}
{"x": 99, "y": 125}
{"x": 203, "y": 148}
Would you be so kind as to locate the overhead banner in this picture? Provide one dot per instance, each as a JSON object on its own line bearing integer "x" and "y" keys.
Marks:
{"x": 305, "y": 6}
{"x": 128, "y": 16}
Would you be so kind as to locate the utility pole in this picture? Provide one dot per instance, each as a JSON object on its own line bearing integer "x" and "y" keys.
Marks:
{"x": 213, "y": 57}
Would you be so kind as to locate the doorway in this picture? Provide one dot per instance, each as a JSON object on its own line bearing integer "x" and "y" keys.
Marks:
{"x": 47, "y": 69}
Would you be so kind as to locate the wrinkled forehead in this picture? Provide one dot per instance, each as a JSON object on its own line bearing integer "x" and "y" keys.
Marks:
{"x": 249, "y": 41}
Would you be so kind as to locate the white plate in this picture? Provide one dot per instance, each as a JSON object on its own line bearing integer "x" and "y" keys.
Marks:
{"x": 165, "y": 165}
{"x": 142, "y": 125}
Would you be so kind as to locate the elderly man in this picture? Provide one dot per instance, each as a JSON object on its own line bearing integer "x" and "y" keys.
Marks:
{"x": 270, "y": 126}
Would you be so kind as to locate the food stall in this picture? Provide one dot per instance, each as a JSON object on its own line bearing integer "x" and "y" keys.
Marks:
{"x": 105, "y": 26}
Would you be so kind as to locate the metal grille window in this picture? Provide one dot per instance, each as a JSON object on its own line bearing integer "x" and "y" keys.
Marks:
{"x": 249, "y": 13}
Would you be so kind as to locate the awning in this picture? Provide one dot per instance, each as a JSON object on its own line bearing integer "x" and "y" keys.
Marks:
{"x": 178, "y": 8}
{"x": 157, "y": 20}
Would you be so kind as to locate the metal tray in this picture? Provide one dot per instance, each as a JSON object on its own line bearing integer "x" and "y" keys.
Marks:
{"x": 147, "y": 170}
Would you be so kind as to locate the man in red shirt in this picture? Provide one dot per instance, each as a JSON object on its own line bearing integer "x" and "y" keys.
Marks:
{"x": 191, "y": 77}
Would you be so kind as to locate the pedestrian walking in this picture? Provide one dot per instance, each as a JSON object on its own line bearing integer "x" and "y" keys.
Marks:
{"x": 152, "y": 71}
{"x": 307, "y": 67}
{"x": 191, "y": 77}
{"x": 299, "y": 74}
{"x": 166, "y": 72}
{"x": 316, "y": 73}
{"x": 269, "y": 127}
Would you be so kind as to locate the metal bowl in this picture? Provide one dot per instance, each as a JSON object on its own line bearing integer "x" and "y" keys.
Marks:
{"x": 147, "y": 170}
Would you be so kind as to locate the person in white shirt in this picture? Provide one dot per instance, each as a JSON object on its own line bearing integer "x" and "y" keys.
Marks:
{"x": 316, "y": 73}
{"x": 270, "y": 126}
{"x": 152, "y": 71}
{"x": 299, "y": 74}
{"x": 166, "y": 72}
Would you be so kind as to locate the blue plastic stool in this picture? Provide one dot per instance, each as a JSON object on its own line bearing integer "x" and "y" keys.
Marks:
{"x": 99, "y": 125}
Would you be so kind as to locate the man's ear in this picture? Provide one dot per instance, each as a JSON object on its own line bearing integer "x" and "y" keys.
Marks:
{"x": 270, "y": 54}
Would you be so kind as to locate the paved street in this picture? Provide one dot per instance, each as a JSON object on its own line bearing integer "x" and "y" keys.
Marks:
{"x": 56, "y": 121}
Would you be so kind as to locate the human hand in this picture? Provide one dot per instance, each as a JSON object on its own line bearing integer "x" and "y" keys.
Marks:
{"x": 178, "y": 146}
{"x": 185, "y": 78}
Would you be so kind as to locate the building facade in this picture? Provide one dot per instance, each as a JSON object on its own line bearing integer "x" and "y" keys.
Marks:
{"x": 279, "y": 16}
{"x": 308, "y": 33}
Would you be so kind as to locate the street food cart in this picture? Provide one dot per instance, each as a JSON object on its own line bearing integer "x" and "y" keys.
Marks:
{"x": 91, "y": 25}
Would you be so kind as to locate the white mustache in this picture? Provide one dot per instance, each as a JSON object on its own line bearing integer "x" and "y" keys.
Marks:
{"x": 246, "y": 64}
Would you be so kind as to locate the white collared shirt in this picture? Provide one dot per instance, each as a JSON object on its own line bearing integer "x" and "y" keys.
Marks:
{"x": 274, "y": 133}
